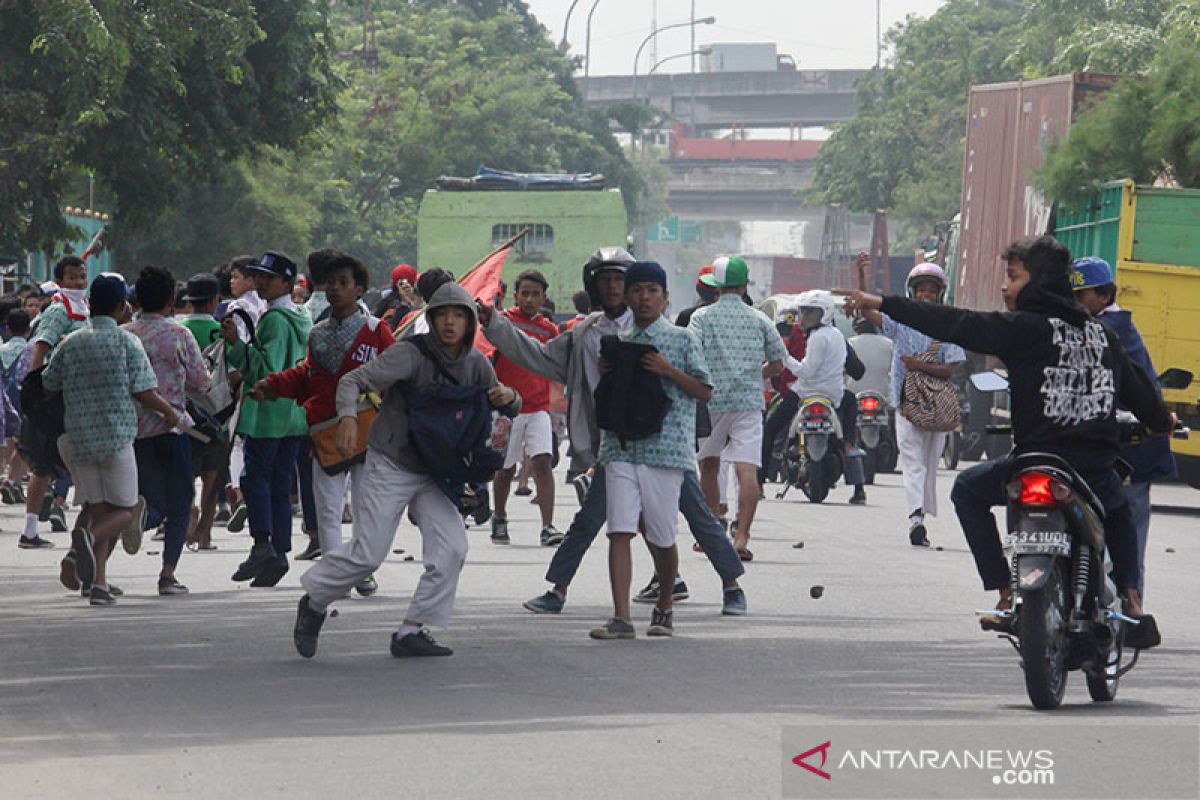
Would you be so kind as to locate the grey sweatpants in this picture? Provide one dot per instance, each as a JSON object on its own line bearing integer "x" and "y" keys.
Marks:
{"x": 381, "y": 495}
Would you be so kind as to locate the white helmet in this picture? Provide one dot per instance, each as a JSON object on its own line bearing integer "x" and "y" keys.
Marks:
{"x": 926, "y": 272}
{"x": 818, "y": 298}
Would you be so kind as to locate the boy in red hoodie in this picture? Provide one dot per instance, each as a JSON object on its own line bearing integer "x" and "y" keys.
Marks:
{"x": 343, "y": 341}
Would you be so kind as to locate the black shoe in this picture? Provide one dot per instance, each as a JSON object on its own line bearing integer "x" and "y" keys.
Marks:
{"x": 308, "y": 627}
{"x": 58, "y": 518}
{"x": 101, "y": 597}
{"x": 68, "y": 575}
{"x": 260, "y": 556}
{"x": 500, "y": 531}
{"x": 222, "y": 516}
{"x": 367, "y": 586}
{"x": 416, "y": 645}
{"x": 917, "y": 536}
{"x": 273, "y": 572}
{"x": 168, "y": 586}
{"x": 114, "y": 590}
{"x": 1144, "y": 635}
{"x": 36, "y": 543}
{"x": 47, "y": 504}
{"x": 312, "y": 552}
{"x": 859, "y": 498}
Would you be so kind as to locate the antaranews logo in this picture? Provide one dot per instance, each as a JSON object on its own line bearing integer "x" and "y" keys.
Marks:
{"x": 1008, "y": 767}
{"x": 823, "y": 749}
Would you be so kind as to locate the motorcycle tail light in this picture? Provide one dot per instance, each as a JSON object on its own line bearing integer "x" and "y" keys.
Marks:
{"x": 1038, "y": 489}
{"x": 818, "y": 410}
{"x": 869, "y": 404}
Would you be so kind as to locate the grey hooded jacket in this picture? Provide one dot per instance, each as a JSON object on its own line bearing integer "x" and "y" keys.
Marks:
{"x": 404, "y": 362}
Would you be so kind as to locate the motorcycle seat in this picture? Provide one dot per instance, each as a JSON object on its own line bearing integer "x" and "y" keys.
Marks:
{"x": 1026, "y": 462}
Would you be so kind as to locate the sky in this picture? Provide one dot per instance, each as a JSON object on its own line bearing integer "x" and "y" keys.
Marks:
{"x": 819, "y": 34}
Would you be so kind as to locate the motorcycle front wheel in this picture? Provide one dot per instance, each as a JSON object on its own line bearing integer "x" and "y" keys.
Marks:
{"x": 1043, "y": 634}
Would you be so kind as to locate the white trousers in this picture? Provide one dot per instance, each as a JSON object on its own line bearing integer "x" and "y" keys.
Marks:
{"x": 329, "y": 495}
{"x": 384, "y": 491}
{"x": 920, "y": 451}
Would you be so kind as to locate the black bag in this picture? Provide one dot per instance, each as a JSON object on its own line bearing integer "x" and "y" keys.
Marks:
{"x": 46, "y": 412}
{"x": 630, "y": 400}
{"x": 450, "y": 428}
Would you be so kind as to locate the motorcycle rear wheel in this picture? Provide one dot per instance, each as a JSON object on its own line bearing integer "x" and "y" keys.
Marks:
{"x": 1043, "y": 634}
{"x": 1103, "y": 687}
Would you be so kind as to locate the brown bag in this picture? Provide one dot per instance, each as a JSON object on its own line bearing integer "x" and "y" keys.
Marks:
{"x": 324, "y": 440}
{"x": 928, "y": 402}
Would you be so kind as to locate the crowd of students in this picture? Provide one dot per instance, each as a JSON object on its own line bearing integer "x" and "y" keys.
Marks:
{"x": 108, "y": 387}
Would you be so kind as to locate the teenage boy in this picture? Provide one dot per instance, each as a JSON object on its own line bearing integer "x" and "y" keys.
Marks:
{"x": 393, "y": 477}
{"x": 1096, "y": 290}
{"x": 244, "y": 291}
{"x": 345, "y": 340}
{"x": 164, "y": 455}
{"x": 742, "y": 349}
{"x": 202, "y": 294}
{"x": 573, "y": 359}
{"x": 208, "y": 459}
{"x": 272, "y": 428}
{"x": 66, "y": 314}
{"x": 318, "y": 266}
{"x": 101, "y": 371}
{"x": 16, "y": 327}
{"x": 1066, "y": 372}
{"x": 532, "y": 434}
{"x": 645, "y": 476}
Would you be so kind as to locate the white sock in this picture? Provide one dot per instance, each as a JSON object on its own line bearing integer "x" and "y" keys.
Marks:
{"x": 406, "y": 629}
{"x": 31, "y": 521}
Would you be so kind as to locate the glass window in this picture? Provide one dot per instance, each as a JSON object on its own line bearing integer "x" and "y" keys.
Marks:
{"x": 539, "y": 240}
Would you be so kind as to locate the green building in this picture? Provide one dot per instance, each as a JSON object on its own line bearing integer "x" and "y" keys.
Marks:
{"x": 456, "y": 228}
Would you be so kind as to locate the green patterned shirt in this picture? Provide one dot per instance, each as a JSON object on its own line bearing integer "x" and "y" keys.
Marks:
{"x": 674, "y": 447}
{"x": 98, "y": 369}
{"x": 736, "y": 340}
{"x": 53, "y": 325}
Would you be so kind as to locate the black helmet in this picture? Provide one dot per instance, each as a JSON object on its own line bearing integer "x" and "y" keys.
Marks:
{"x": 604, "y": 258}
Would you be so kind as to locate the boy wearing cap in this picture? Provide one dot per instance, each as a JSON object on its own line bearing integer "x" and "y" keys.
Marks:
{"x": 742, "y": 349}
{"x": 531, "y": 434}
{"x": 1096, "y": 290}
{"x": 401, "y": 298}
{"x": 203, "y": 292}
{"x": 272, "y": 428}
{"x": 645, "y": 476}
{"x": 101, "y": 371}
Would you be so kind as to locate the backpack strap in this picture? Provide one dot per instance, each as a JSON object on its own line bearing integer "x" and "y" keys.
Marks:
{"x": 422, "y": 346}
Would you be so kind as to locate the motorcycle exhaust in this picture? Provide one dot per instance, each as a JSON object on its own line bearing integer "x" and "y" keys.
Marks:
{"x": 1102, "y": 635}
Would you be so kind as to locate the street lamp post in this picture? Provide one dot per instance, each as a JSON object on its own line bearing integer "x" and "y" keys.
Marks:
{"x": 703, "y": 51}
{"x": 638, "y": 55}
{"x": 562, "y": 46}
{"x": 587, "y": 48}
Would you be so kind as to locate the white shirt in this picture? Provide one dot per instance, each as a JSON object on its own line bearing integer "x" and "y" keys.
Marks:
{"x": 253, "y": 305}
{"x": 821, "y": 371}
{"x": 604, "y": 326}
{"x": 875, "y": 351}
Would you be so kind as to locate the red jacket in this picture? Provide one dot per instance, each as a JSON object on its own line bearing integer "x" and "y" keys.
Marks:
{"x": 314, "y": 387}
{"x": 533, "y": 388}
{"x": 795, "y": 344}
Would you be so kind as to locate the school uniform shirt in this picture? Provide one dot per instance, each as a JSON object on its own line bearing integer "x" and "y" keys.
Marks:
{"x": 280, "y": 342}
{"x": 204, "y": 327}
{"x": 736, "y": 339}
{"x": 54, "y": 323}
{"x": 533, "y": 388}
{"x": 11, "y": 351}
{"x": 253, "y": 305}
{"x": 178, "y": 367}
{"x": 875, "y": 350}
{"x": 97, "y": 369}
{"x": 335, "y": 347}
{"x": 674, "y": 447}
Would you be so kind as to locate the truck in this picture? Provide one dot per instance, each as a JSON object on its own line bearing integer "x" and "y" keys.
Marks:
{"x": 1149, "y": 236}
{"x": 463, "y": 219}
{"x": 745, "y": 57}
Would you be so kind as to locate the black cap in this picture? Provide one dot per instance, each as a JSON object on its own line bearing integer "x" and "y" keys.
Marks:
{"x": 274, "y": 263}
{"x": 107, "y": 293}
{"x": 201, "y": 288}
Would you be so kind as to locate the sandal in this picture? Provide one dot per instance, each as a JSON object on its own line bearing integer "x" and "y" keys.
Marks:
{"x": 744, "y": 554}
{"x": 696, "y": 548}
{"x": 193, "y": 546}
{"x": 208, "y": 547}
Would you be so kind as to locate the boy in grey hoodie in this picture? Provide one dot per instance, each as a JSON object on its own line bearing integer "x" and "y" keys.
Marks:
{"x": 393, "y": 477}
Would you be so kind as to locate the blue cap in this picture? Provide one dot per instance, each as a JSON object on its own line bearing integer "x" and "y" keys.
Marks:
{"x": 645, "y": 272}
{"x": 107, "y": 293}
{"x": 1090, "y": 272}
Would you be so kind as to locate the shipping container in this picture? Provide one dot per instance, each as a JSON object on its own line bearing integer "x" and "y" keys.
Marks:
{"x": 739, "y": 57}
{"x": 1010, "y": 127}
{"x": 1151, "y": 236}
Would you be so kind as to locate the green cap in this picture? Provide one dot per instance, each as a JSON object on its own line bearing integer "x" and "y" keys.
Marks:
{"x": 728, "y": 271}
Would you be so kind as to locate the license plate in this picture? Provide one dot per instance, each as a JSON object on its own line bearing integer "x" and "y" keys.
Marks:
{"x": 1057, "y": 543}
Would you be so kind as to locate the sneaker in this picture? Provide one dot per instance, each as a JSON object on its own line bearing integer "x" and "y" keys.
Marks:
{"x": 131, "y": 535}
{"x": 523, "y": 491}
{"x": 35, "y": 543}
{"x": 272, "y": 572}
{"x": 68, "y": 576}
{"x": 417, "y": 644}
{"x": 308, "y": 627}
{"x": 160, "y": 534}
{"x": 85, "y": 557}
{"x": 57, "y": 518}
{"x": 222, "y": 516}
{"x": 367, "y": 586}
{"x": 661, "y": 623}
{"x": 6, "y": 493}
{"x": 650, "y": 593}
{"x": 260, "y": 556}
{"x": 549, "y": 603}
{"x": 859, "y": 498}
{"x": 168, "y": 586}
{"x": 917, "y": 535}
{"x": 18, "y": 493}
{"x": 499, "y": 533}
{"x": 44, "y": 511}
{"x": 552, "y": 536}
{"x": 114, "y": 590}
{"x": 582, "y": 483}
{"x": 237, "y": 519}
{"x": 101, "y": 597}
{"x": 734, "y": 604}
{"x": 312, "y": 552}
{"x": 614, "y": 629}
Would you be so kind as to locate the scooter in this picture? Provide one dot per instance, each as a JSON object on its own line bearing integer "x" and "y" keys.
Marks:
{"x": 814, "y": 453}
{"x": 875, "y": 434}
{"x": 1065, "y": 613}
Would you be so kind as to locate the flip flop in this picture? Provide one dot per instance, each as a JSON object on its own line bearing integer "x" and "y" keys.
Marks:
{"x": 696, "y": 548}
{"x": 744, "y": 554}
{"x": 208, "y": 547}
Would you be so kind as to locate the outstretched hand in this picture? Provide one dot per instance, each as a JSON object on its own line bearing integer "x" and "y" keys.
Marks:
{"x": 858, "y": 301}
{"x": 485, "y": 313}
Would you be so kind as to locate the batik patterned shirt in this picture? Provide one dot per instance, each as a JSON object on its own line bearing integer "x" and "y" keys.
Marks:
{"x": 674, "y": 447}
{"x": 98, "y": 369}
{"x": 54, "y": 324}
{"x": 736, "y": 339}
{"x": 178, "y": 367}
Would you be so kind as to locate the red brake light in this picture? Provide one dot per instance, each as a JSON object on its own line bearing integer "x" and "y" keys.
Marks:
{"x": 818, "y": 409}
{"x": 870, "y": 404}
{"x": 1035, "y": 489}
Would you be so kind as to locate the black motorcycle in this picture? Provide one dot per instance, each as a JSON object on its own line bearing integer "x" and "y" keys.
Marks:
{"x": 876, "y": 434}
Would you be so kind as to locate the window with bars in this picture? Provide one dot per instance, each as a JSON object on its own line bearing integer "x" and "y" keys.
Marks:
{"x": 539, "y": 240}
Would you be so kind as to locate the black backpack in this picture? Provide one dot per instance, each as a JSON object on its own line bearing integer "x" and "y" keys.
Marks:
{"x": 450, "y": 428}
{"x": 630, "y": 400}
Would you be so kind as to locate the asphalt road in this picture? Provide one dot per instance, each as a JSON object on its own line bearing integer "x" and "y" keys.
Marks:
{"x": 204, "y": 694}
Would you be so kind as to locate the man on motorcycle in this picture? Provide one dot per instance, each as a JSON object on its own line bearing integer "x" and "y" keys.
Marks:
{"x": 1067, "y": 373}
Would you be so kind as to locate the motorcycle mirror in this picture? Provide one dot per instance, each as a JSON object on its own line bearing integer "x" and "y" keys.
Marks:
{"x": 989, "y": 382}
{"x": 1175, "y": 378}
